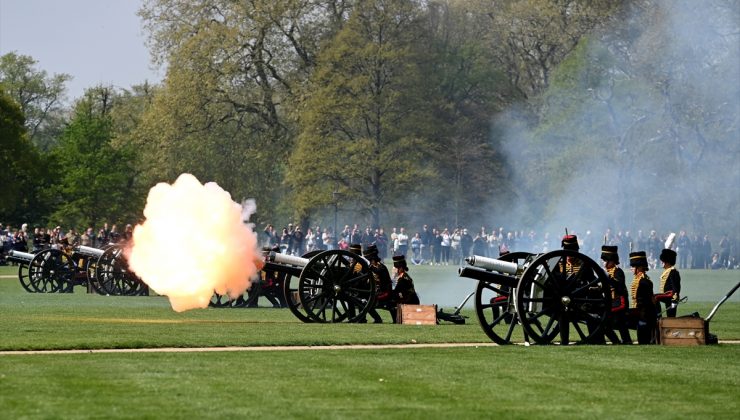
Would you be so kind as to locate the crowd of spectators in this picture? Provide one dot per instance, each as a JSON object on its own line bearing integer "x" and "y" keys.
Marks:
{"x": 434, "y": 246}
{"x": 22, "y": 239}
{"x": 445, "y": 245}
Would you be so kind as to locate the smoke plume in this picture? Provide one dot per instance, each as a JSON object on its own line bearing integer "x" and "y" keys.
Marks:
{"x": 194, "y": 242}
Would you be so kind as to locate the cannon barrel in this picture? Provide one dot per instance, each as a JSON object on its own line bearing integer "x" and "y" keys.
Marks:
{"x": 488, "y": 276}
{"x": 493, "y": 264}
{"x": 287, "y": 259}
{"x": 89, "y": 251}
{"x": 281, "y": 268}
{"x": 20, "y": 256}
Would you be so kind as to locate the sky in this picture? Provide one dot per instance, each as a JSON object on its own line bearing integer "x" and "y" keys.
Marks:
{"x": 94, "y": 41}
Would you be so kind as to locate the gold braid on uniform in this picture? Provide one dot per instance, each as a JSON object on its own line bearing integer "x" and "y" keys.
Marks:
{"x": 571, "y": 267}
{"x": 610, "y": 272}
{"x": 664, "y": 278}
{"x": 633, "y": 287}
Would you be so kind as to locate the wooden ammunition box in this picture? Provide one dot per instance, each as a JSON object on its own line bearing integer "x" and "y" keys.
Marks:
{"x": 418, "y": 314}
{"x": 684, "y": 331}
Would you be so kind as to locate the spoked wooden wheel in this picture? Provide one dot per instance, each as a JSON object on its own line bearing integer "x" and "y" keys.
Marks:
{"x": 563, "y": 295}
{"x": 51, "y": 271}
{"x": 91, "y": 265}
{"x": 494, "y": 305}
{"x": 113, "y": 274}
{"x": 290, "y": 290}
{"x": 224, "y": 301}
{"x": 24, "y": 277}
{"x": 336, "y": 286}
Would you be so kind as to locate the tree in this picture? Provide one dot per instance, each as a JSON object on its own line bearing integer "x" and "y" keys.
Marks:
{"x": 638, "y": 123}
{"x": 530, "y": 37}
{"x": 464, "y": 87}
{"x": 359, "y": 125}
{"x": 40, "y": 96}
{"x": 224, "y": 112}
{"x": 93, "y": 178}
{"x": 19, "y": 160}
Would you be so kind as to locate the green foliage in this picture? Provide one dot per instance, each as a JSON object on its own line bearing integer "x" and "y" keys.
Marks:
{"x": 39, "y": 95}
{"x": 359, "y": 127}
{"x": 93, "y": 180}
{"x": 20, "y": 163}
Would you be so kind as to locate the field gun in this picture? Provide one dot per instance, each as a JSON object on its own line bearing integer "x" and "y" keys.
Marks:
{"x": 331, "y": 286}
{"x": 48, "y": 271}
{"x": 103, "y": 271}
{"x": 561, "y": 296}
{"x": 113, "y": 275}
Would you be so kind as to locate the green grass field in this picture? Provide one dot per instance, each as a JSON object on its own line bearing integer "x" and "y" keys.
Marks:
{"x": 469, "y": 382}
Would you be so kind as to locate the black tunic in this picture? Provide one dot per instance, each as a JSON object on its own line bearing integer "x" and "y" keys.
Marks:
{"x": 404, "y": 291}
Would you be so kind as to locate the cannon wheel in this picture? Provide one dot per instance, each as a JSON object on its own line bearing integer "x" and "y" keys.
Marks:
{"x": 336, "y": 286}
{"x": 24, "y": 277}
{"x": 495, "y": 307}
{"x": 113, "y": 275}
{"x": 224, "y": 301}
{"x": 552, "y": 303}
{"x": 51, "y": 271}
{"x": 290, "y": 290}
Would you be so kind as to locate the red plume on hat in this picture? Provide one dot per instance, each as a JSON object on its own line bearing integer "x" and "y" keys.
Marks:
{"x": 570, "y": 242}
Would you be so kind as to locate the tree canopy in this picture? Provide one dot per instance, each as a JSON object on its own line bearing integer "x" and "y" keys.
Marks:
{"x": 520, "y": 112}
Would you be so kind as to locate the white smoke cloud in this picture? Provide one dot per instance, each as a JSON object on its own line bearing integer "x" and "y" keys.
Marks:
{"x": 194, "y": 242}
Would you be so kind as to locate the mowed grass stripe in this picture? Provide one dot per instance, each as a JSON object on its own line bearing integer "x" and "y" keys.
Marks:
{"x": 486, "y": 382}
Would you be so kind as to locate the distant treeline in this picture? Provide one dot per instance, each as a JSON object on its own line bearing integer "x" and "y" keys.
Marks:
{"x": 522, "y": 112}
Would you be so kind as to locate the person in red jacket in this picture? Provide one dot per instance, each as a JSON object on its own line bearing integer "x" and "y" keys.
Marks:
{"x": 610, "y": 256}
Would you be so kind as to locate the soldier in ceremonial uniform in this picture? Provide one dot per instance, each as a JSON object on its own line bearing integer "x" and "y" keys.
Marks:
{"x": 384, "y": 297}
{"x": 571, "y": 268}
{"x": 643, "y": 310}
{"x": 670, "y": 283}
{"x": 404, "y": 293}
{"x": 356, "y": 249}
{"x": 571, "y": 265}
{"x": 610, "y": 256}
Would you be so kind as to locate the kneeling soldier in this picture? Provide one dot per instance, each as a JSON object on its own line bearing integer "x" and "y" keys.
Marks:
{"x": 404, "y": 292}
{"x": 670, "y": 283}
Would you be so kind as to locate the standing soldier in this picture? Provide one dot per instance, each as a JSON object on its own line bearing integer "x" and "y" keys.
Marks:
{"x": 610, "y": 256}
{"x": 384, "y": 286}
{"x": 404, "y": 292}
{"x": 572, "y": 265}
{"x": 670, "y": 283}
{"x": 643, "y": 304}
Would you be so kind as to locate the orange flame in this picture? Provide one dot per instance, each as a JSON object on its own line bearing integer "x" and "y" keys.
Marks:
{"x": 193, "y": 242}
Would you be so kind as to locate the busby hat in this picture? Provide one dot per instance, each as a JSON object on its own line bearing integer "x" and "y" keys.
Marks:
{"x": 638, "y": 259}
{"x": 371, "y": 252}
{"x": 609, "y": 253}
{"x": 570, "y": 242}
{"x": 355, "y": 249}
{"x": 668, "y": 256}
{"x": 399, "y": 261}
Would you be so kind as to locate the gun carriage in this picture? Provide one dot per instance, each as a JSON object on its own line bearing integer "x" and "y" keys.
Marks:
{"x": 328, "y": 286}
{"x": 103, "y": 271}
{"x": 560, "y": 297}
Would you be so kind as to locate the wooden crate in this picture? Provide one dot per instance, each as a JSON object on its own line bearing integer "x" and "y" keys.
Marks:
{"x": 417, "y": 314}
{"x": 683, "y": 331}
